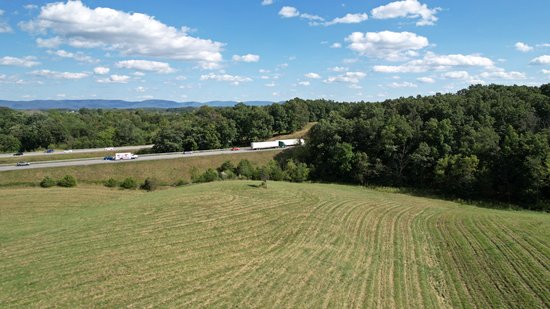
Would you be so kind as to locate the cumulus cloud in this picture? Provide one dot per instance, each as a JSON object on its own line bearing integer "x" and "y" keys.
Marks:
{"x": 336, "y": 45}
{"x": 544, "y": 59}
{"x": 146, "y": 65}
{"x": 289, "y": 12}
{"x": 522, "y": 47}
{"x": 60, "y": 75}
{"x": 4, "y": 27}
{"x": 114, "y": 79}
{"x": 544, "y": 71}
{"x": 502, "y": 74}
{"x": 337, "y": 69}
{"x": 134, "y": 34}
{"x": 80, "y": 57}
{"x": 304, "y": 83}
{"x": 457, "y": 75}
{"x": 312, "y": 75}
{"x": 26, "y": 62}
{"x": 267, "y": 2}
{"x": 386, "y": 44}
{"x": 233, "y": 79}
{"x": 349, "y": 19}
{"x": 348, "y": 77}
{"x": 246, "y": 58}
{"x": 434, "y": 62}
{"x": 426, "y": 80}
{"x": 407, "y": 9}
{"x": 30, "y": 7}
{"x": 101, "y": 70}
{"x": 402, "y": 85}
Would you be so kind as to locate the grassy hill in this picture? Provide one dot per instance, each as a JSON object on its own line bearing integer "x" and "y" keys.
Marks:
{"x": 290, "y": 245}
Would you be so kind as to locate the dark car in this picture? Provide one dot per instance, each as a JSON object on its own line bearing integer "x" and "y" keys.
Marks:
{"x": 23, "y": 164}
{"x": 48, "y": 151}
{"x": 110, "y": 158}
{"x": 18, "y": 154}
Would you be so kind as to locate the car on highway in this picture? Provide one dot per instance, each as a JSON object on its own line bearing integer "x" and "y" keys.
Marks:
{"x": 18, "y": 154}
{"x": 68, "y": 151}
{"x": 23, "y": 164}
{"x": 235, "y": 148}
{"x": 109, "y": 148}
{"x": 48, "y": 150}
{"x": 110, "y": 158}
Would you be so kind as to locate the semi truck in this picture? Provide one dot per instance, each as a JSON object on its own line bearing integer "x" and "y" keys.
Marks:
{"x": 125, "y": 156}
{"x": 282, "y": 143}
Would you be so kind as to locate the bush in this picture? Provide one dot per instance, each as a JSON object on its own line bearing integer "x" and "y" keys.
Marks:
{"x": 48, "y": 182}
{"x": 67, "y": 181}
{"x": 150, "y": 184}
{"x": 263, "y": 184}
{"x": 129, "y": 183}
{"x": 111, "y": 183}
{"x": 210, "y": 175}
{"x": 296, "y": 172}
{"x": 181, "y": 182}
{"x": 245, "y": 169}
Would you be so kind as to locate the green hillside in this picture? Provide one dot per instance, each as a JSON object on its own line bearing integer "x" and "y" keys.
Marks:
{"x": 291, "y": 245}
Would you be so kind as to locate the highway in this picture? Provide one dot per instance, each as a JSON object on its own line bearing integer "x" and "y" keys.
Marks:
{"x": 60, "y": 152}
{"x": 148, "y": 157}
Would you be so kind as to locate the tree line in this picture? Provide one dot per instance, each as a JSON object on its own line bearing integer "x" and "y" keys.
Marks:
{"x": 489, "y": 142}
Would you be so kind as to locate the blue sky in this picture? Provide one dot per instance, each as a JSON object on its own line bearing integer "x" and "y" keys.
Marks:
{"x": 201, "y": 50}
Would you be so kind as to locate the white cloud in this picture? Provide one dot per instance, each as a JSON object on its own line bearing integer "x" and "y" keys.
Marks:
{"x": 544, "y": 71}
{"x": 426, "y": 80}
{"x": 80, "y": 57}
{"x": 146, "y": 65}
{"x": 402, "y": 85}
{"x": 234, "y": 79}
{"x": 130, "y": 33}
{"x": 522, "y": 47}
{"x": 348, "y": 77}
{"x": 30, "y": 7}
{"x": 349, "y": 19}
{"x": 304, "y": 83}
{"x": 101, "y": 70}
{"x": 246, "y": 58}
{"x": 336, "y": 45}
{"x": 432, "y": 61}
{"x": 26, "y": 62}
{"x": 4, "y": 27}
{"x": 544, "y": 59}
{"x": 267, "y": 2}
{"x": 312, "y": 75}
{"x": 338, "y": 69}
{"x": 289, "y": 12}
{"x": 502, "y": 74}
{"x": 272, "y": 84}
{"x": 114, "y": 79}
{"x": 49, "y": 43}
{"x": 386, "y": 44}
{"x": 140, "y": 89}
{"x": 407, "y": 9}
{"x": 457, "y": 75}
{"x": 60, "y": 75}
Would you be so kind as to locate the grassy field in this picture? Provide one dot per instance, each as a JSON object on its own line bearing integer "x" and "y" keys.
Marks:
{"x": 167, "y": 171}
{"x": 298, "y": 134}
{"x": 231, "y": 244}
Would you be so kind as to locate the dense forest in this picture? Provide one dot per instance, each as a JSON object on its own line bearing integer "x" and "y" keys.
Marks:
{"x": 488, "y": 142}
{"x": 484, "y": 142}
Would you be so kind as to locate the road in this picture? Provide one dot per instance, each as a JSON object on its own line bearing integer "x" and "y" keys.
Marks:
{"x": 58, "y": 152}
{"x": 148, "y": 157}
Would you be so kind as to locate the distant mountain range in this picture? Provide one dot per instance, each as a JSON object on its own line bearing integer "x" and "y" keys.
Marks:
{"x": 120, "y": 104}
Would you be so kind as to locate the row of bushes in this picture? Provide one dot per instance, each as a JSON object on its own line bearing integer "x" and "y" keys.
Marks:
{"x": 150, "y": 184}
{"x": 66, "y": 181}
{"x": 290, "y": 171}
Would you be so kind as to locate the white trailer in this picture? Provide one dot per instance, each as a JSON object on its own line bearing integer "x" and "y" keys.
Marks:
{"x": 125, "y": 156}
{"x": 290, "y": 142}
{"x": 264, "y": 145}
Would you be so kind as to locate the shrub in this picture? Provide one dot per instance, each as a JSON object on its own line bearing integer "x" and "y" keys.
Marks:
{"x": 210, "y": 175}
{"x": 111, "y": 183}
{"x": 245, "y": 169}
{"x": 263, "y": 184}
{"x": 296, "y": 172}
{"x": 227, "y": 166}
{"x": 129, "y": 183}
{"x": 181, "y": 182}
{"x": 150, "y": 184}
{"x": 48, "y": 182}
{"x": 67, "y": 181}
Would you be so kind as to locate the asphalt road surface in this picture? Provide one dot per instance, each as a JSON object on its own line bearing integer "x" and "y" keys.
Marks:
{"x": 58, "y": 152}
{"x": 148, "y": 157}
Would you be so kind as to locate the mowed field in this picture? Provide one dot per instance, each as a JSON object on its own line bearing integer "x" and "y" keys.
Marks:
{"x": 231, "y": 244}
